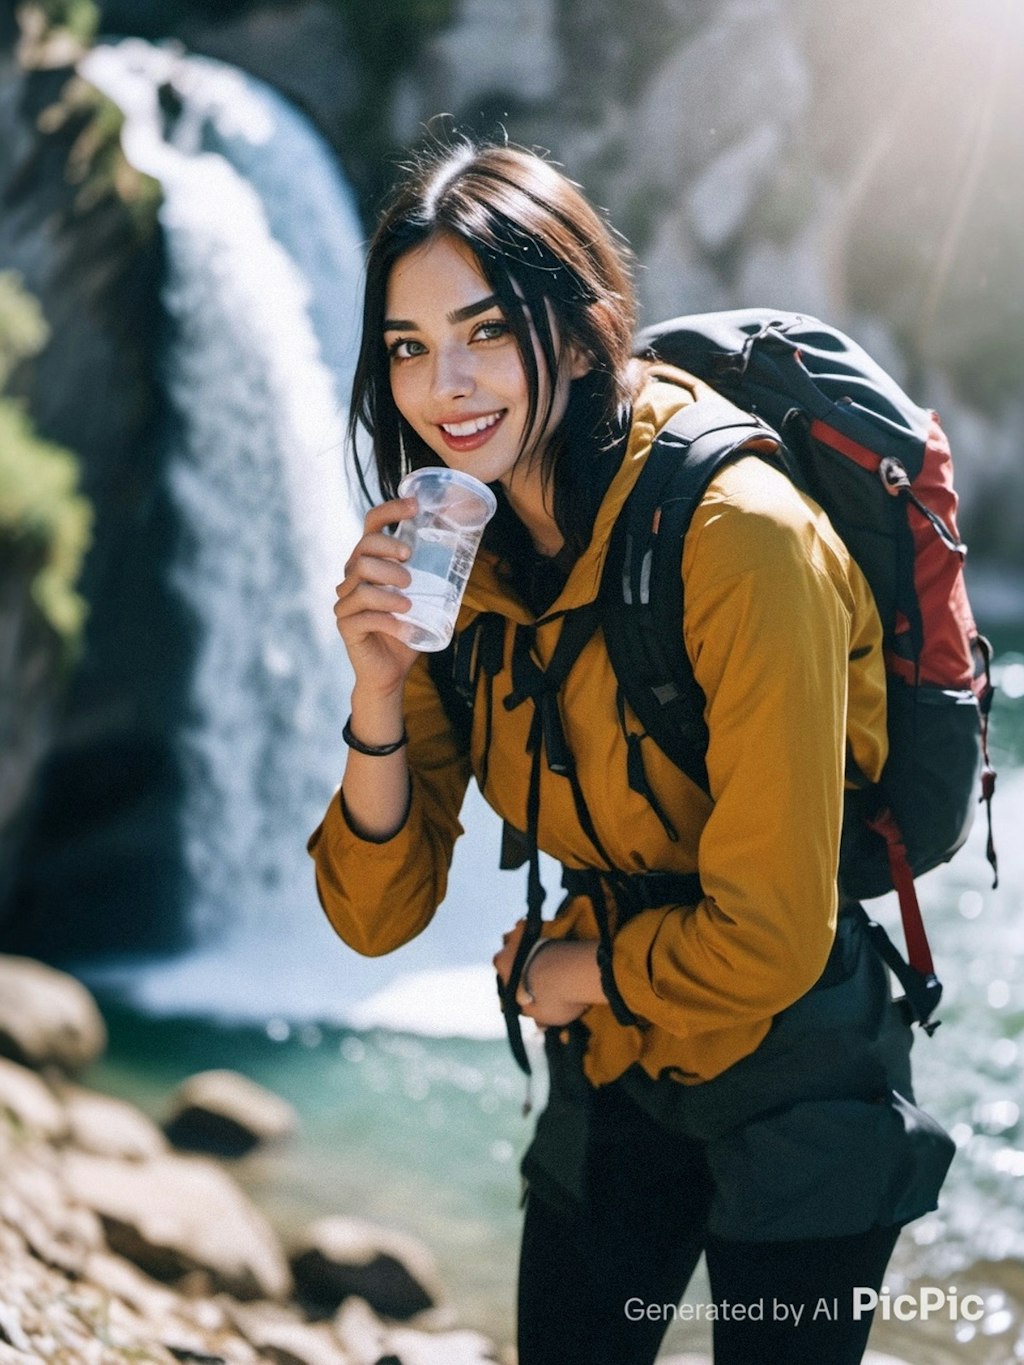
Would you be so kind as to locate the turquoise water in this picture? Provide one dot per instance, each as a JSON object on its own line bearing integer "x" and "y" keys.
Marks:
{"x": 425, "y": 1134}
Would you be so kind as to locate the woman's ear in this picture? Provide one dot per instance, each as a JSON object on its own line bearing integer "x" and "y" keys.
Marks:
{"x": 579, "y": 361}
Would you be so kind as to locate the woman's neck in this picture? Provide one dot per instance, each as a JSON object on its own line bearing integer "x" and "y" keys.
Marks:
{"x": 528, "y": 497}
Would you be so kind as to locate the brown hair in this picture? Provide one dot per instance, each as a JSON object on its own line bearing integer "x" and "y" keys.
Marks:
{"x": 539, "y": 243}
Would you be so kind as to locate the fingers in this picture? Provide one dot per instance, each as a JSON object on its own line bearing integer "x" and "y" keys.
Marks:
{"x": 375, "y": 570}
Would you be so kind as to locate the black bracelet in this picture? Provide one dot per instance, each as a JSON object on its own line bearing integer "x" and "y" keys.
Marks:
{"x": 371, "y": 750}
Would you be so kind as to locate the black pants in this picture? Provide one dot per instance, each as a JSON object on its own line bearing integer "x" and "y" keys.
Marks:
{"x": 597, "y": 1284}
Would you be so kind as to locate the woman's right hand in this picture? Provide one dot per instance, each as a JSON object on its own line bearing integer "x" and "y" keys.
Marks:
{"x": 380, "y": 657}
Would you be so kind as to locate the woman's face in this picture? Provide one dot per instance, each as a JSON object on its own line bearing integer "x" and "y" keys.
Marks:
{"x": 456, "y": 374}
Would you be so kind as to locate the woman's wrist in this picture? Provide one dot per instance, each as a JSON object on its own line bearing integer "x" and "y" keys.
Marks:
{"x": 574, "y": 973}
{"x": 376, "y": 721}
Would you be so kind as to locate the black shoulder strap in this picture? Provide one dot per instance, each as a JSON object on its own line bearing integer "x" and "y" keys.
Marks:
{"x": 642, "y": 589}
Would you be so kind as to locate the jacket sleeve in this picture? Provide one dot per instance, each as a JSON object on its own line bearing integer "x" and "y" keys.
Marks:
{"x": 769, "y": 613}
{"x": 379, "y": 895}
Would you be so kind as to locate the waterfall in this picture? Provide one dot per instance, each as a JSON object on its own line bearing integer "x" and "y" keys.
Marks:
{"x": 262, "y": 293}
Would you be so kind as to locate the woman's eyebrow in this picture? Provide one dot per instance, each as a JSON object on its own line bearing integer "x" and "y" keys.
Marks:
{"x": 472, "y": 309}
{"x": 456, "y": 315}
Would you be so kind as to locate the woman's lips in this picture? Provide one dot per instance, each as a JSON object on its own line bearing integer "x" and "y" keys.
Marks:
{"x": 470, "y": 432}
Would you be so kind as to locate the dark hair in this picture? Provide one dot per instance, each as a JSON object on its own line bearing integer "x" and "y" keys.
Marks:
{"x": 538, "y": 242}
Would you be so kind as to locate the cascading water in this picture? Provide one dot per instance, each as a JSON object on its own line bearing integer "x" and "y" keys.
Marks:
{"x": 262, "y": 291}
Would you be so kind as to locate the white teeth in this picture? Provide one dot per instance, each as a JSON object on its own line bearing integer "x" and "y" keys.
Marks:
{"x": 472, "y": 427}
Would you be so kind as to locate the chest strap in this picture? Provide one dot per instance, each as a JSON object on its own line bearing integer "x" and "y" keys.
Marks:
{"x": 636, "y": 891}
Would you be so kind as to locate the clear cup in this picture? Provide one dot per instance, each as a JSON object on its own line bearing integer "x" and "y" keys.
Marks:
{"x": 444, "y": 535}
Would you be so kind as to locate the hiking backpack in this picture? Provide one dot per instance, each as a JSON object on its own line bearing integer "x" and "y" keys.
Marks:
{"x": 808, "y": 399}
{"x": 880, "y": 468}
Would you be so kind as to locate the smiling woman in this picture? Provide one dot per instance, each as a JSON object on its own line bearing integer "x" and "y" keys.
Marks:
{"x": 694, "y": 1104}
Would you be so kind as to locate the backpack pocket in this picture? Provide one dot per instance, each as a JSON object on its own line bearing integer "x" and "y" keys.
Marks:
{"x": 929, "y": 783}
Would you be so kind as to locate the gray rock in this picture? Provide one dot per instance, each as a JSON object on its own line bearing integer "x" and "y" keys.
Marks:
{"x": 26, "y": 1101}
{"x": 713, "y": 91}
{"x": 337, "y": 1257}
{"x": 176, "y": 1215}
{"x": 227, "y": 1114}
{"x": 722, "y": 198}
{"x": 495, "y": 49}
{"x": 47, "y": 1018}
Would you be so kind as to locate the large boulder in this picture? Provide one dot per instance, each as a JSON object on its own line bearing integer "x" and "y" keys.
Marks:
{"x": 105, "y": 1126}
{"x": 338, "y": 1257}
{"x": 227, "y": 1114}
{"x": 176, "y": 1215}
{"x": 47, "y": 1018}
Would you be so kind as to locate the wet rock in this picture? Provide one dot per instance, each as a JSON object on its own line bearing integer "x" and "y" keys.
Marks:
{"x": 47, "y": 1018}
{"x": 176, "y": 1215}
{"x": 337, "y": 1257}
{"x": 226, "y": 1114}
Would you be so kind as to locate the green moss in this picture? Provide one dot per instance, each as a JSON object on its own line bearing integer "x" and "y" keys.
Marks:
{"x": 44, "y": 520}
{"x": 23, "y": 331}
{"x": 79, "y": 18}
{"x": 96, "y": 163}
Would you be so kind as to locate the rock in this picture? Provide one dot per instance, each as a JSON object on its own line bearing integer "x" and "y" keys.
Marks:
{"x": 47, "y": 1018}
{"x": 368, "y": 1341}
{"x": 282, "y": 1336}
{"x": 227, "y": 1114}
{"x": 11, "y": 1331}
{"x": 105, "y": 1126}
{"x": 122, "y": 1280}
{"x": 722, "y": 198}
{"x": 175, "y": 1215}
{"x": 34, "y": 1202}
{"x": 467, "y": 64}
{"x": 337, "y": 1257}
{"x": 443, "y": 1348}
{"x": 26, "y": 1101}
{"x": 690, "y": 111}
{"x": 361, "y": 1332}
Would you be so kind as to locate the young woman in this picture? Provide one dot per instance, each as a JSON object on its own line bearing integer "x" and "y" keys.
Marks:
{"x": 731, "y": 1077}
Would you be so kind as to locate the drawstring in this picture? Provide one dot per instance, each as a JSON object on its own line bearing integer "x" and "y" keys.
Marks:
{"x": 546, "y": 736}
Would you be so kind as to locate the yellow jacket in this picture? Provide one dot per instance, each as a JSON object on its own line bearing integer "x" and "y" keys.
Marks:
{"x": 785, "y": 641}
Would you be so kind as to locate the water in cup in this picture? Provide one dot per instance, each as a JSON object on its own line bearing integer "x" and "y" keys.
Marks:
{"x": 453, "y": 509}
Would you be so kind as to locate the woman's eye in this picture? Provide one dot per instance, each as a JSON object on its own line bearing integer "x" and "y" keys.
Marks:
{"x": 491, "y": 330}
{"x": 405, "y": 348}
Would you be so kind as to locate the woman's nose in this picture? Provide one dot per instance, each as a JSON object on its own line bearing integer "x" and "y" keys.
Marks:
{"x": 453, "y": 374}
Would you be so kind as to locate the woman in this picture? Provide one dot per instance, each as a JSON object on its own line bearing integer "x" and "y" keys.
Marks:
{"x": 723, "y": 1079}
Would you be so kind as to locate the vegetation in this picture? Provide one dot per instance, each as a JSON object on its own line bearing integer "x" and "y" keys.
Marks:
{"x": 44, "y": 520}
{"x": 78, "y": 18}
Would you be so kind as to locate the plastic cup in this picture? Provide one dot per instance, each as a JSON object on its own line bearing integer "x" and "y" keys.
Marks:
{"x": 444, "y": 535}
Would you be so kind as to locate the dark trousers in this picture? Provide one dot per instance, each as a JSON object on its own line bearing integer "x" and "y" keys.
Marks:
{"x": 597, "y": 1284}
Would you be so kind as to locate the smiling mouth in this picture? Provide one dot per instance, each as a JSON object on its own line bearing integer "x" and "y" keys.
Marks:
{"x": 473, "y": 427}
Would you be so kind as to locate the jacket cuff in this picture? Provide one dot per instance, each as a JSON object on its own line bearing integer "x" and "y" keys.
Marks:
{"x": 631, "y": 981}
{"x": 619, "y": 1008}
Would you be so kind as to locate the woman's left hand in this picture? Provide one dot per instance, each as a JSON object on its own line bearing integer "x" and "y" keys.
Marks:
{"x": 564, "y": 978}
